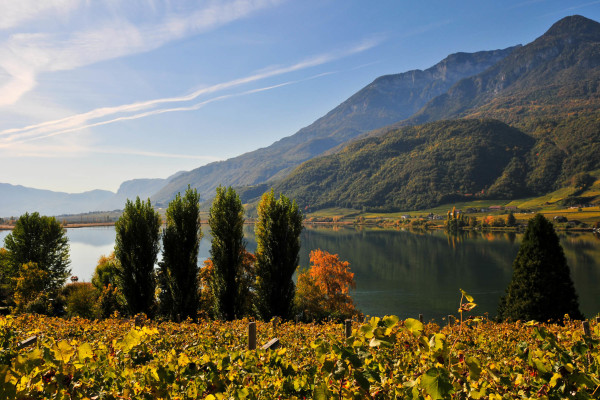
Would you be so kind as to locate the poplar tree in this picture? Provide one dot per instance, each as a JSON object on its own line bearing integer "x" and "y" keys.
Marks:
{"x": 136, "y": 248}
{"x": 541, "y": 287}
{"x": 228, "y": 248}
{"x": 278, "y": 243}
{"x": 179, "y": 265}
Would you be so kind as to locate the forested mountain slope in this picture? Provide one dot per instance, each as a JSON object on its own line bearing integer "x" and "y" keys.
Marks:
{"x": 548, "y": 91}
{"x": 412, "y": 167}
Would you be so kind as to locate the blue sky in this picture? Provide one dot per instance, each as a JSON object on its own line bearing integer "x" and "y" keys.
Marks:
{"x": 93, "y": 93}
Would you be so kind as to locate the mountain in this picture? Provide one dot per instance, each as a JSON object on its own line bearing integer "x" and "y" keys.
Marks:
{"x": 16, "y": 200}
{"x": 548, "y": 91}
{"x": 412, "y": 167}
{"x": 144, "y": 188}
{"x": 555, "y": 75}
{"x": 386, "y": 100}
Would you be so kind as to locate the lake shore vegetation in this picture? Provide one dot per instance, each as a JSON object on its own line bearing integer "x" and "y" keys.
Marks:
{"x": 233, "y": 283}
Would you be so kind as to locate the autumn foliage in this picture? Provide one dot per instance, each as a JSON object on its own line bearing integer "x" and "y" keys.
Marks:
{"x": 323, "y": 289}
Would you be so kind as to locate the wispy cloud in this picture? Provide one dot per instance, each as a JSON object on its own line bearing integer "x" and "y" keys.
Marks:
{"x": 62, "y": 151}
{"x": 134, "y": 152}
{"x": 109, "y": 115}
{"x": 25, "y": 55}
{"x": 16, "y": 12}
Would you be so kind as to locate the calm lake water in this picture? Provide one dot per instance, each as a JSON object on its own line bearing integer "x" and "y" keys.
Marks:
{"x": 400, "y": 272}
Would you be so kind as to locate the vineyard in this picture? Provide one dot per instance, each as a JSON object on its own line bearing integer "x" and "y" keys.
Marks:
{"x": 384, "y": 358}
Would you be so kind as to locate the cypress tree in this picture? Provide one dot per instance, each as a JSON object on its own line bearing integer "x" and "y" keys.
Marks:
{"x": 541, "y": 287}
{"x": 226, "y": 221}
{"x": 278, "y": 243}
{"x": 178, "y": 277}
{"x": 136, "y": 248}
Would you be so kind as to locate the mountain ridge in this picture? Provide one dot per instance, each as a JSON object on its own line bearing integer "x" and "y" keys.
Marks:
{"x": 17, "y": 199}
{"x": 548, "y": 89}
{"x": 566, "y": 43}
{"x": 344, "y": 122}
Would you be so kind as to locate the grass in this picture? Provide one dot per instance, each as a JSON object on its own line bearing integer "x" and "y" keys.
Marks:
{"x": 550, "y": 205}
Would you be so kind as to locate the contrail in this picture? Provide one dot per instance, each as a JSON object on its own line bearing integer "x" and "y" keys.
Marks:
{"x": 84, "y": 120}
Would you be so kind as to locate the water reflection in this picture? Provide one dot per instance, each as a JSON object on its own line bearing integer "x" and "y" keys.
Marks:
{"x": 408, "y": 273}
{"x": 400, "y": 272}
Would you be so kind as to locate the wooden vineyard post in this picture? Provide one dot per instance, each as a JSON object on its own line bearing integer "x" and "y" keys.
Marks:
{"x": 586, "y": 328}
{"x": 450, "y": 320}
{"x": 27, "y": 342}
{"x": 252, "y": 335}
{"x": 421, "y": 318}
{"x": 348, "y": 328}
{"x": 587, "y": 333}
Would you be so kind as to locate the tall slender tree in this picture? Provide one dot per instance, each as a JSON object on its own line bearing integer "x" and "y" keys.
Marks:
{"x": 541, "y": 287}
{"x": 278, "y": 243}
{"x": 179, "y": 265}
{"x": 136, "y": 248}
{"x": 226, "y": 221}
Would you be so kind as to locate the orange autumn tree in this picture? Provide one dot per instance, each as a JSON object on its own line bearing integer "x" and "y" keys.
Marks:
{"x": 323, "y": 290}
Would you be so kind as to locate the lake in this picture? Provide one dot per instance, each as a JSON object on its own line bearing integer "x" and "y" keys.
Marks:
{"x": 401, "y": 272}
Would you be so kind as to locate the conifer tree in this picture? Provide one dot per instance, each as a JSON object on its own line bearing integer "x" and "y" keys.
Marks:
{"x": 136, "y": 249}
{"x": 226, "y": 221}
{"x": 178, "y": 278}
{"x": 541, "y": 287}
{"x": 511, "y": 220}
{"x": 278, "y": 243}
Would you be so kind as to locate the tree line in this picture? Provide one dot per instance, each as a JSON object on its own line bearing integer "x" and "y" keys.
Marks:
{"x": 233, "y": 283}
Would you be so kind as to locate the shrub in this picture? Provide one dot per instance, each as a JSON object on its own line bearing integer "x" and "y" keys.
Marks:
{"x": 81, "y": 298}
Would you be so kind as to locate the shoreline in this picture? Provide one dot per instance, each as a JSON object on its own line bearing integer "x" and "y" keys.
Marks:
{"x": 73, "y": 225}
{"x": 348, "y": 224}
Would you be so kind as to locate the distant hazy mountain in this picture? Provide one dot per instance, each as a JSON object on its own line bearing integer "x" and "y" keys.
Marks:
{"x": 16, "y": 200}
{"x": 386, "y": 100}
{"x": 144, "y": 188}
